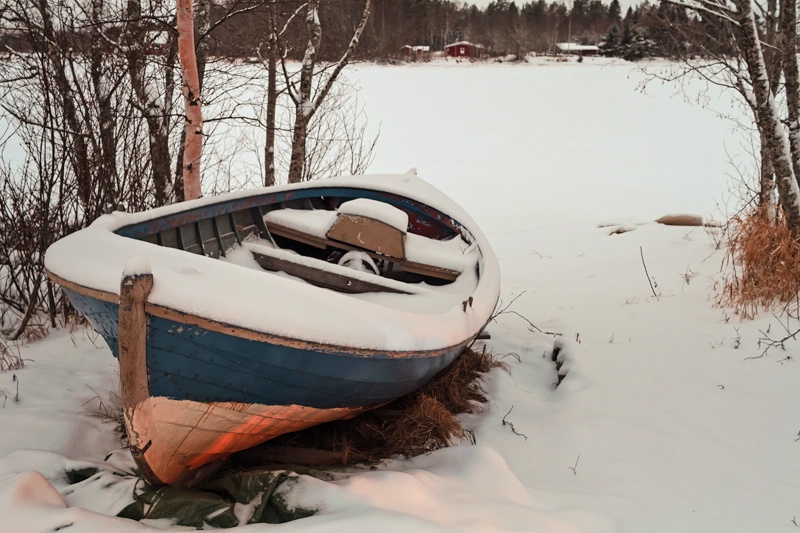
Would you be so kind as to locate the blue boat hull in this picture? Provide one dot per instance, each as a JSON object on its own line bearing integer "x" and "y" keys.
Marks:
{"x": 188, "y": 362}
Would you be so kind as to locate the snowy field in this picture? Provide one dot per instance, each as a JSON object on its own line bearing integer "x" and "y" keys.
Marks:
{"x": 666, "y": 421}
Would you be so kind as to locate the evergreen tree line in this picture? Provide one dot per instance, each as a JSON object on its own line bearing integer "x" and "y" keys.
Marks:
{"x": 503, "y": 28}
{"x": 241, "y": 28}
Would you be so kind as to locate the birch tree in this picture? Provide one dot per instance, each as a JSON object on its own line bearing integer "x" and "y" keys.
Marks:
{"x": 788, "y": 25}
{"x": 757, "y": 81}
{"x": 300, "y": 91}
{"x": 193, "y": 148}
{"x": 272, "y": 52}
{"x": 335, "y": 132}
{"x": 768, "y": 115}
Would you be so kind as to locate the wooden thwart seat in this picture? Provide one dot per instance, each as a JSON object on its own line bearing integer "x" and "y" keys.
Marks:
{"x": 317, "y": 241}
{"x": 368, "y": 234}
{"x": 323, "y": 274}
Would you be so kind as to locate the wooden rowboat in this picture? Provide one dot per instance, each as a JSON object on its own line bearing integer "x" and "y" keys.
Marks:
{"x": 245, "y": 316}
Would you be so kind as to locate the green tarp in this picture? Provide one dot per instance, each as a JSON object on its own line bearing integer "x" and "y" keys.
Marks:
{"x": 214, "y": 502}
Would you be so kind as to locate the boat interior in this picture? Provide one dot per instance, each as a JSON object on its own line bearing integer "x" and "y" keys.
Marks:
{"x": 347, "y": 245}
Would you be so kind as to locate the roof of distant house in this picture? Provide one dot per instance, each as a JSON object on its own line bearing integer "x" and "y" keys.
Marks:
{"x": 572, "y": 47}
{"x": 463, "y": 43}
{"x": 419, "y": 48}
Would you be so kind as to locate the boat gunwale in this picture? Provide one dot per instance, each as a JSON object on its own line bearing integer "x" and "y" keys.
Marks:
{"x": 259, "y": 198}
{"x": 240, "y": 332}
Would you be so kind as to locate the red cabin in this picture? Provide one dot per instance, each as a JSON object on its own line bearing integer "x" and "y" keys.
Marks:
{"x": 465, "y": 49}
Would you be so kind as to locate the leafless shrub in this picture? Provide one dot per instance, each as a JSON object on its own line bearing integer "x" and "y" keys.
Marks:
{"x": 337, "y": 142}
{"x": 90, "y": 107}
{"x": 10, "y": 357}
{"x": 74, "y": 111}
{"x": 503, "y": 309}
{"x": 768, "y": 340}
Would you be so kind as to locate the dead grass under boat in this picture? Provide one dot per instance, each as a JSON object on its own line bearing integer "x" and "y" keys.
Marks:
{"x": 422, "y": 421}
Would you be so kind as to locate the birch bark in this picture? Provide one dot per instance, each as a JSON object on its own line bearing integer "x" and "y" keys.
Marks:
{"x": 768, "y": 116}
{"x": 788, "y": 32}
{"x": 193, "y": 148}
{"x": 306, "y": 104}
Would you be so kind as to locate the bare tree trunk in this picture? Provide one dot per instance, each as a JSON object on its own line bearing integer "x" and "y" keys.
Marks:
{"x": 152, "y": 107}
{"x": 302, "y": 96}
{"x": 305, "y": 104}
{"x": 767, "y": 179}
{"x": 272, "y": 99}
{"x": 107, "y": 154}
{"x": 172, "y": 57}
{"x": 768, "y": 116}
{"x": 772, "y": 52}
{"x": 80, "y": 150}
{"x": 193, "y": 149}
{"x": 772, "y": 60}
{"x": 788, "y": 25}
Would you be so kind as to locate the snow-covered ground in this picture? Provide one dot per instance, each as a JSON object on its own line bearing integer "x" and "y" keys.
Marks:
{"x": 665, "y": 421}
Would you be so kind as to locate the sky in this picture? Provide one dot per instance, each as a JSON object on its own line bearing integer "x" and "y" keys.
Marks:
{"x": 671, "y": 415}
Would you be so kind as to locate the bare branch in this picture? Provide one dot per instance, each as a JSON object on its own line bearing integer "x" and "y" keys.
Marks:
{"x": 712, "y": 8}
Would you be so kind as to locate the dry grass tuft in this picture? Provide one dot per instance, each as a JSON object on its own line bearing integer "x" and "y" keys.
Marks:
{"x": 458, "y": 388}
{"x": 422, "y": 421}
{"x": 765, "y": 262}
{"x": 423, "y": 425}
{"x": 34, "y": 332}
{"x": 108, "y": 409}
{"x": 10, "y": 357}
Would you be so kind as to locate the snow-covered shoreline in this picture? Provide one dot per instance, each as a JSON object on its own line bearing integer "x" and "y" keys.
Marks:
{"x": 667, "y": 420}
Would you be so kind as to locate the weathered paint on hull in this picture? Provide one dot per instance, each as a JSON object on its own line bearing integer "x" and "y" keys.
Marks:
{"x": 193, "y": 417}
{"x": 181, "y": 441}
{"x": 190, "y": 362}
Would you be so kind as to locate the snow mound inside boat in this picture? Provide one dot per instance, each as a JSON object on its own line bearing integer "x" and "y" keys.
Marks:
{"x": 375, "y": 210}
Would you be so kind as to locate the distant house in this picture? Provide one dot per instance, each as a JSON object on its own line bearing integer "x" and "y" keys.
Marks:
{"x": 578, "y": 49}
{"x": 465, "y": 49}
{"x": 415, "y": 52}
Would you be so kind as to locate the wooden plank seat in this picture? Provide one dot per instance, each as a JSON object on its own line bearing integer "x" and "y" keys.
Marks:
{"x": 324, "y": 274}
{"x": 371, "y": 225}
{"x": 322, "y": 242}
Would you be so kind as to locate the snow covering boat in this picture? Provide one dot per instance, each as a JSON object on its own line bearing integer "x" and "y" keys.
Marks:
{"x": 245, "y": 316}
